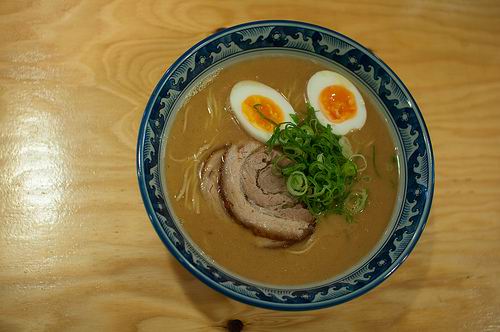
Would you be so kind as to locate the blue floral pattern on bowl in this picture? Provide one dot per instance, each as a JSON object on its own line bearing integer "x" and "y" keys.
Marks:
{"x": 402, "y": 111}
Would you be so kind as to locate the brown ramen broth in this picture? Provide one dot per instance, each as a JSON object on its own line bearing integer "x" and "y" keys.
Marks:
{"x": 204, "y": 123}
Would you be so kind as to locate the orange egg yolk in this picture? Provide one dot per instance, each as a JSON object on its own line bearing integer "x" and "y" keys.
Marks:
{"x": 262, "y": 112}
{"x": 337, "y": 103}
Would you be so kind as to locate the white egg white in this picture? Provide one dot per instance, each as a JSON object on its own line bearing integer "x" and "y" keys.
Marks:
{"x": 244, "y": 89}
{"x": 326, "y": 78}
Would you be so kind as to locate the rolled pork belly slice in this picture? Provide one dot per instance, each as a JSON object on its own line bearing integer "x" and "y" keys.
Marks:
{"x": 209, "y": 186}
{"x": 256, "y": 197}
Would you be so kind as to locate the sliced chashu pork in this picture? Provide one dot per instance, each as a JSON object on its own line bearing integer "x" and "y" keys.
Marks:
{"x": 210, "y": 191}
{"x": 209, "y": 184}
{"x": 257, "y": 198}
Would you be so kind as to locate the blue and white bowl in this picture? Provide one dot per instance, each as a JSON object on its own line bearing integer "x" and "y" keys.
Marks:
{"x": 400, "y": 110}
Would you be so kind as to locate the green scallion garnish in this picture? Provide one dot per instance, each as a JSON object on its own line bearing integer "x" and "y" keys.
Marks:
{"x": 319, "y": 171}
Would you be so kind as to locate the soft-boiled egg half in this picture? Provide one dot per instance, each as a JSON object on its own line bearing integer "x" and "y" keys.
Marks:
{"x": 338, "y": 101}
{"x": 259, "y": 108}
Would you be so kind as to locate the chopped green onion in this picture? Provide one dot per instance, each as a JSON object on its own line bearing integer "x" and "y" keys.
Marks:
{"x": 362, "y": 158}
{"x": 297, "y": 183}
{"x": 355, "y": 203}
{"x": 349, "y": 168}
{"x": 320, "y": 168}
{"x": 295, "y": 118}
{"x": 262, "y": 115}
{"x": 346, "y": 147}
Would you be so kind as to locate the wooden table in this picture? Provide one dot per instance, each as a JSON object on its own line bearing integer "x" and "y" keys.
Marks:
{"x": 77, "y": 251}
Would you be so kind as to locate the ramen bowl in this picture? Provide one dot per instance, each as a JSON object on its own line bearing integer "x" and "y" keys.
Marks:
{"x": 414, "y": 194}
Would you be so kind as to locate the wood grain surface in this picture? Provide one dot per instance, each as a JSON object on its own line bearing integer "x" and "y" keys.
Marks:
{"x": 77, "y": 251}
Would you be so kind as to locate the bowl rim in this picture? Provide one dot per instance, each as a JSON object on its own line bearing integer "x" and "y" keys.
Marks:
{"x": 215, "y": 285}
